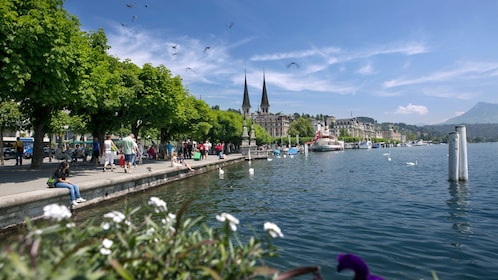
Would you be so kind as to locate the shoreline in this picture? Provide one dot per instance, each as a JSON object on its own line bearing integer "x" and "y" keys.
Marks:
{"x": 24, "y": 193}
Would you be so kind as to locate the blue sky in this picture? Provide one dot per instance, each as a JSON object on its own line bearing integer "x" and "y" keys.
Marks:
{"x": 417, "y": 62}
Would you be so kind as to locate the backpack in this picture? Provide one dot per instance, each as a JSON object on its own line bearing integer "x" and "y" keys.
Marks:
{"x": 51, "y": 181}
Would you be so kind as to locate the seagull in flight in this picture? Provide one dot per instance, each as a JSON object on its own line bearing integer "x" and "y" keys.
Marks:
{"x": 230, "y": 25}
{"x": 189, "y": 68}
{"x": 206, "y": 49}
{"x": 174, "y": 46}
{"x": 293, "y": 63}
{"x": 130, "y": 5}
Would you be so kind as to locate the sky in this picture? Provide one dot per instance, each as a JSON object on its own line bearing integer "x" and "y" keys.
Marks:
{"x": 416, "y": 62}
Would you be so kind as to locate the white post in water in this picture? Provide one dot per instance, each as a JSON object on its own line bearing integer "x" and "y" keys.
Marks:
{"x": 457, "y": 155}
{"x": 453, "y": 151}
{"x": 463, "y": 172}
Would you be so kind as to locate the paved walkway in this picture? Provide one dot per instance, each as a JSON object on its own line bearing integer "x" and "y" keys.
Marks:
{"x": 17, "y": 180}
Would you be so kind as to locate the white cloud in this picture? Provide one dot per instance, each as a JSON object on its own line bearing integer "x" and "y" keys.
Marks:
{"x": 366, "y": 69}
{"x": 412, "y": 109}
{"x": 466, "y": 70}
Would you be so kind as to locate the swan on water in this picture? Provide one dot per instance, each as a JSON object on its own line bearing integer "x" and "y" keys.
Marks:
{"x": 221, "y": 171}
{"x": 251, "y": 171}
{"x": 412, "y": 163}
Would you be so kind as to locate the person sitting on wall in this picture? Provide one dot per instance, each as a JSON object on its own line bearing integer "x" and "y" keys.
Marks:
{"x": 78, "y": 152}
{"x": 60, "y": 155}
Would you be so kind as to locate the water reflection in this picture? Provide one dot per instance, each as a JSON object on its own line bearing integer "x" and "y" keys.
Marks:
{"x": 459, "y": 204}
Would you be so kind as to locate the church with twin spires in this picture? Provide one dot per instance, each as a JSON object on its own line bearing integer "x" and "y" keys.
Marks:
{"x": 275, "y": 125}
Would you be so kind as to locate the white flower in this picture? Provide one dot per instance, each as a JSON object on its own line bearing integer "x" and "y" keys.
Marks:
{"x": 232, "y": 221}
{"x": 105, "y": 226}
{"x": 106, "y": 245}
{"x": 56, "y": 212}
{"x": 70, "y": 225}
{"x": 105, "y": 251}
{"x": 150, "y": 231}
{"x": 116, "y": 216}
{"x": 159, "y": 204}
{"x": 171, "y": 218}
{"x": 273, "y": 230}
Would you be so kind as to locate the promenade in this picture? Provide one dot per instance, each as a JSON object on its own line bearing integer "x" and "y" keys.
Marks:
{"x": 23, "y": 191}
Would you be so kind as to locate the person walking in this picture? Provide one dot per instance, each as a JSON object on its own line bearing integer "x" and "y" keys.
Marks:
{"x": 19, "y": 149}
{"x": 96, "y": 151}
{"x": 61, "y": 175}
{"x": 109, "y": 148}
{"x": 128, "y": 151}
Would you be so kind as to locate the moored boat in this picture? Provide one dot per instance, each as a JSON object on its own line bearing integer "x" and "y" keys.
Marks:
{"x": 324, "y": 142}
{"x": 367, "y": 144}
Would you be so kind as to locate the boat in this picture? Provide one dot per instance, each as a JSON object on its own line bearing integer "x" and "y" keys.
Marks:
{"x": 292, "y": 151}
{"x": 367, "y": 144}
{"x": 325, "y": 142}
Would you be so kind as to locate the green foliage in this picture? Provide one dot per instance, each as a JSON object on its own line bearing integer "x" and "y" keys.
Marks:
{"x": 126, "y": 245}
{"x": 10, "y": 115}
{"x": 42, "y": 59}
{"x": 303, "y": 127}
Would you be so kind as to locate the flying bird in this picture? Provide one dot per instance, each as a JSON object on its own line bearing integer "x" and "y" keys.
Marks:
{"x": 174, "y": 46}
{"x": 130, "y": 5}
{"x": 230, "y": 25}
{"x": 293, "y": 63}
{"x": 189, "y": 68}
{"x": 133, "y": 18}
{"x": 206, "y": 49}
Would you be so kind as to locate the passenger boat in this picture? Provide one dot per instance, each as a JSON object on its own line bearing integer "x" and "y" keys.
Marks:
{"x": 325, "y": 142}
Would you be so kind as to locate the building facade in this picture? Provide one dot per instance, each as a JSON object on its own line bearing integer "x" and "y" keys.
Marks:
{"x": 275, "y": 125}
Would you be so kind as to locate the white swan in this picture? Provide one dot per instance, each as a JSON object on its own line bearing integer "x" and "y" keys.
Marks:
{"x": 221, "y": 171}
{"x": 269, "y": 159}
{"x": 251, "y": 171}
{"x": 412, "y": 163}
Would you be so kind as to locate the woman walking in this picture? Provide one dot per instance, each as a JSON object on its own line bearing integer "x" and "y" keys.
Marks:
{"x": 109, "y": 148}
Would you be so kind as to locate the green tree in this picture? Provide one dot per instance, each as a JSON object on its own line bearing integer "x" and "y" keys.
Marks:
{"x": 10, "y": 116}
{"x": 162, "y": 103}
{"x": 302, "y": 127}
{"x": 106, "y": 92}
{"x": 41, "y": 54}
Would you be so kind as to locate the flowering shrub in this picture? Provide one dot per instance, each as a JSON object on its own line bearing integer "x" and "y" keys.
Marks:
{"x": 159, "y": 246}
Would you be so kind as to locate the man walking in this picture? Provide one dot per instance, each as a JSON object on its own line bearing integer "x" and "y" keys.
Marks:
{"x": 19, "y": 149}
{"x": 128, "y": 151}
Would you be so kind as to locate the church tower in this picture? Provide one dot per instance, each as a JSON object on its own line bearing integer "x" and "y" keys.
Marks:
{"x": 246, "y": 105}
{"x": 265, "y": 105}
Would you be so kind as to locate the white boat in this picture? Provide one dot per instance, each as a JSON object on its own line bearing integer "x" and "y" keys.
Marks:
{"x": 324, "y": 142}
{"x": 367, "y": 144}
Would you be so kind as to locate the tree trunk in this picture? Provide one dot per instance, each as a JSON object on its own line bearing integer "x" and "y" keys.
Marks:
{"x": 2, "y": 160}
{"x": 39, "y": 120}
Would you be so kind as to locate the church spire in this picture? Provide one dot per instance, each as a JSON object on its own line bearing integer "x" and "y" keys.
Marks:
{"x": 246, "y": 105}
{"x": 265, "y": 105}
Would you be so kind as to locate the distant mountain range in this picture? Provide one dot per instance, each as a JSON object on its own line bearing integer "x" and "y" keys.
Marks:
{"x": 481, "y": 113}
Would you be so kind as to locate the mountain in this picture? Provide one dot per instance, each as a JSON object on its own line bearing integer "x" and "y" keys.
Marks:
{"x": 481, "y": 113}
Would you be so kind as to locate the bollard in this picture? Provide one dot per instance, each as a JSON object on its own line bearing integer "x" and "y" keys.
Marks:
{"x": 463, "y": 172}
{"x": 457, "y": 155}
{"x": 453, "y": 151}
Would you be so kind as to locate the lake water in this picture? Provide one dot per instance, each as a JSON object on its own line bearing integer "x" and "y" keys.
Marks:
{"x": 403, "y": 220}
